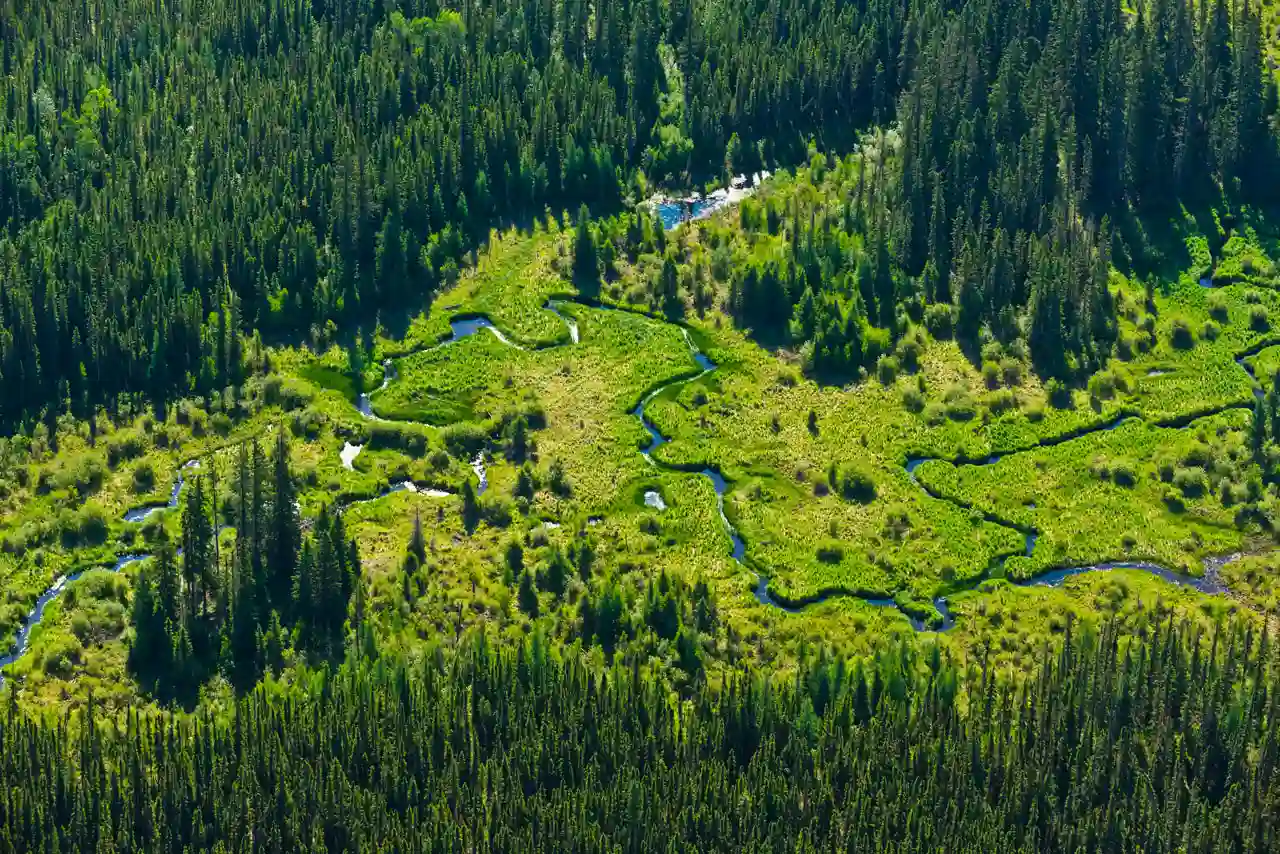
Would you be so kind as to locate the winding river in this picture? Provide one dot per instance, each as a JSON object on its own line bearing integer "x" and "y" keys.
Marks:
{"x": 23, "y": 640}
{"x": 1210, "y": 583}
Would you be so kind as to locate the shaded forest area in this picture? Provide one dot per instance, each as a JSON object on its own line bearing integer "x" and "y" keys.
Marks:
{"x": 1163, "y": 742}
{"x": 1036, "y": 145}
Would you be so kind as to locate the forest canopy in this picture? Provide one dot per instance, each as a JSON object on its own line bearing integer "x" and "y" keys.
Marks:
{"x": 172, "y": 179}
{"x": 919, "y": 497}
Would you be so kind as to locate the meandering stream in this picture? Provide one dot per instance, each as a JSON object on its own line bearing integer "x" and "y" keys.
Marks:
{"x": 23, "y": 640}
{"x": 1210, "y": 583}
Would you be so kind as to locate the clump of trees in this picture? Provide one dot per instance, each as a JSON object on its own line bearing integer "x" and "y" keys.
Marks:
{"x": 1027, "y": 144}
{"x": 198, "y": 611}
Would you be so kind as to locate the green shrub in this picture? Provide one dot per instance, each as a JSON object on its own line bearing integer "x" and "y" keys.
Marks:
{"x": 1180, "y": 334}
{"x": 408, "y": 438}
{"x": 464, "y": 441}
{"x": 308, "y": 423}
{"x": 61, "y": 655}
{"x": 1258, "y": 319}
{"x": 831, "y": 552}
{"x": 144, "y": 477}
{"x": 856, "y": 484}
{"x": 1191, "y": 482}
{"x": 1218, "y": 306}
{"x": 875, "y": 343}
{"x": 86, "y": 526}
{"x": 909, "y": 350}
{"x": 1102, "y": 386}
{"x": 1001, "y": 401}
{"x": 913, "y": 400}
{"x": 1011, "y": 371}
{"x": 1124, "y": 347}
{"x": 959, "y": 403}
{"x": 123, "y": 446}
{"x": 887, "y": 369}
{"x": 991, "y": 375}
{"x": 939, "y": 319}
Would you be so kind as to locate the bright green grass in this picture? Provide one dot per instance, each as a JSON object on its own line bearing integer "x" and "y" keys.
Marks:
{"x": 514, "y": 278}
{"x": 80, "y": 647}
{"x": 463, "y": 381}
{"x": 1103, "y": 496}
{"x": 1255, "y": 579}
{"x": 587, "y": 391}
{"x": 750, "y": 420}
{"x": 1008, "y": 626}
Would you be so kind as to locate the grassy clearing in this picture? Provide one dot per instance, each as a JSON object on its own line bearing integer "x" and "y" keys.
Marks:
{"x": 817, "y": 486}
{"x": 1138, "y": 492}
{"x": 80, "y": 646}
{"x": 1014, "y": 624}
{"x": 585, "y": 392}
{"x": 510, "y": 283}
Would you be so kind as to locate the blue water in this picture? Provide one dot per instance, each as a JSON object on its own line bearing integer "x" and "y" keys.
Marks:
{"x": 23, "y": 640}
{"x": 140, "y": 514}
{"x": 1209, "y": 583}
{"x": 674, "y": 213}
{"x": 466, "y": 327}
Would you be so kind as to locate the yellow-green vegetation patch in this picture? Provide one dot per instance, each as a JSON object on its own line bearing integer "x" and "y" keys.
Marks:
{"x": 1138, "y": 492}
{"x": 81, "y": 643}
{"x": 818, "y": 485}
{"x": 1014, "y": 624}
{"x": 1255, "y": 579}
{"x": 469, "y": 380}
{"x": 585, "y": 392}
{"x": 514, "y": 276}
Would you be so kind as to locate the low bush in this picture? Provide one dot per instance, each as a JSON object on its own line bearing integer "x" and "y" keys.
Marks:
{"x": 125, "y": 445}
{"x": 887, "y": 369}
{"x": 1218, "y": 306}
{"x": 831, "y": 552}
{"x": 1180, "y": 334}
{"x": 144, "y": 477}
{"x": 1258, "y": 319}
{"x": 913, "y": 400}
{"x": 1191, "y": 482}
{"x": 939, "y": 319}
{"x": 855, "y": 483}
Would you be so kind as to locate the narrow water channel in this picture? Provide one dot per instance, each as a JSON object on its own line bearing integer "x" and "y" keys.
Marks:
{"x": 1210, "y": 583}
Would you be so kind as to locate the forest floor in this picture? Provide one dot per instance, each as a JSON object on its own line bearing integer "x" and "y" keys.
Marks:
{"x": 930, "y": 496}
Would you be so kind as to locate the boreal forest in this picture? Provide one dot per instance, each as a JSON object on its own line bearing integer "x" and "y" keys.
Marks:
{"x": 640, "y": 425}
